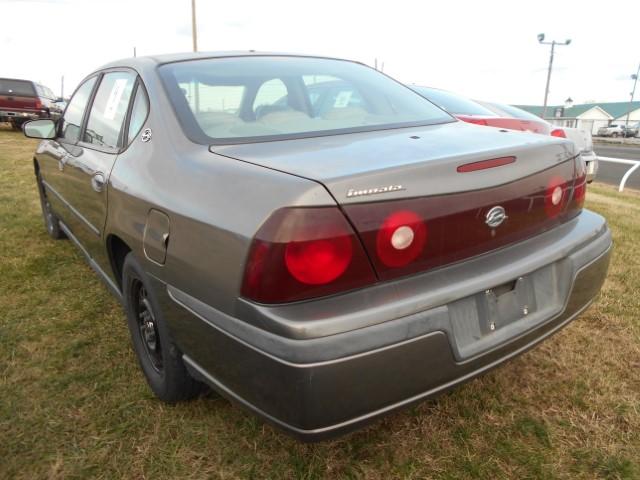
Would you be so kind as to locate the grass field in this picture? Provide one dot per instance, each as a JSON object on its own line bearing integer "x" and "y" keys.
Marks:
{"x": 73, "y": 403}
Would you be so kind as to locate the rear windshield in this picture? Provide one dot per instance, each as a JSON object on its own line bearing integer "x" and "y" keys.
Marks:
{"x": 247, "y": 99}
{"x": 516, "y": 112}
{"x": 16, "y": 87}
{"x": 452, "y": 103}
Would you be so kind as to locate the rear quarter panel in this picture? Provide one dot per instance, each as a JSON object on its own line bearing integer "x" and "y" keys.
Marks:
{"x": 215, "y": 205}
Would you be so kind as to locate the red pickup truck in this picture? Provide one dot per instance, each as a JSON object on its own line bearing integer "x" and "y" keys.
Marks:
{"x": 22, "y": 100}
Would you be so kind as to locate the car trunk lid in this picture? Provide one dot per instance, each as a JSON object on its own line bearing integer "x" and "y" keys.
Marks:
{"x": 461, "y": 190}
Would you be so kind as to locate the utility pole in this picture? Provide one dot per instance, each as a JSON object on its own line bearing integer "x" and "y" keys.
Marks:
{"x": 194, "y": 27}
{"x": 62, "y": 87}
{"x": 134, "y": 52}
{"x": 553, "y": 48}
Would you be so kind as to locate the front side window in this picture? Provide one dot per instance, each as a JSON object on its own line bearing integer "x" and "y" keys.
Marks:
{"x": 109, "y": 110}
{"x": 270, "y": 98}
{"x": 72, "y": 120}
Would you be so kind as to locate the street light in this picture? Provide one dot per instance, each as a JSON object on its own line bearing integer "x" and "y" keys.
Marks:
{"x": 634, "y": 77}
{"x": 553, "y": 47}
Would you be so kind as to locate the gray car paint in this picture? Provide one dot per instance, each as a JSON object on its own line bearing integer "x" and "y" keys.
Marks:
{"x": 217, "y": 198}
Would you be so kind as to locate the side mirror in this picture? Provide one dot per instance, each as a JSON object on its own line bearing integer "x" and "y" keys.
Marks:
{"x": 40, "y": 129}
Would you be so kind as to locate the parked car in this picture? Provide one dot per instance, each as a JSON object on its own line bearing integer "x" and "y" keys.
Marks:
{"x": 632, "y": 130}
{"x": 614, "y": 130}
{"x": 581, "y": 138}
{"x": 22, "y": 100}
{"x": 473, "y": 112}
{"x": 320, "y": 268}
{"x": 513, "y": 118}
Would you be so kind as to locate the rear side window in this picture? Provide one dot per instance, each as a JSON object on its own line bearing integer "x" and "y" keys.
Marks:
{"x": 72, "y": 119}
{"x": 109, "y": 110}
{"x": 139, "y": 113}
{"x": 22, "y": 88}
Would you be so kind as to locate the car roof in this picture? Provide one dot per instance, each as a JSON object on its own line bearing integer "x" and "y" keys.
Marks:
{"x": 185, "y": 56}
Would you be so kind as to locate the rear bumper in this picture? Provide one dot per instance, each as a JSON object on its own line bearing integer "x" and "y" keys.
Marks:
{"x": 9, "y": 115}
{"x": 408, "y": 341}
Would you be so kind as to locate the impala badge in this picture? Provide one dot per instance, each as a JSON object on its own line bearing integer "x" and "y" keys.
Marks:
{"x": 372, "y": 191}
{"x": 495, "y": 217}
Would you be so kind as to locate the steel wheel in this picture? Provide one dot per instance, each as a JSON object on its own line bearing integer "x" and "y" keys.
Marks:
{"x": 147, "y": 325}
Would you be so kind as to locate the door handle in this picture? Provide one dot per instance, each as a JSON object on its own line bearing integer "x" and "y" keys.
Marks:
{"x": 97, "y": 182}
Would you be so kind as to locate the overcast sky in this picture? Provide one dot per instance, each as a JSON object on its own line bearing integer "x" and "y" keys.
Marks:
{"x": 484, "y": 49}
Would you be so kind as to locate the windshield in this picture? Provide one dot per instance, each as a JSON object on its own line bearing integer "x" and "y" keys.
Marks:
{"x": 452, "y": 103}
{"x": 246, "y": 99}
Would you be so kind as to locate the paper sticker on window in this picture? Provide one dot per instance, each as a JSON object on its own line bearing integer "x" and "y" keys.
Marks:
{"x": 342, "y": 99}
{"x": 114, "y": 98}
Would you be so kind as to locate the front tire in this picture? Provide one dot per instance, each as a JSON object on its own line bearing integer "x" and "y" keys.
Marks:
{"x": 158, "y": 356}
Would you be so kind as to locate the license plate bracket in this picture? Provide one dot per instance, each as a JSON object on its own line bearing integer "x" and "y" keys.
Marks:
{"x": 506, "y": 303}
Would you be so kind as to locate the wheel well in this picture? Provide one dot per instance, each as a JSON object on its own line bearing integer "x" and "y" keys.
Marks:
{"x": 118, "y": 251}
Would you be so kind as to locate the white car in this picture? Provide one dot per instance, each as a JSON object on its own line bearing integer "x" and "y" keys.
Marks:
{"x": 613, "y": 130}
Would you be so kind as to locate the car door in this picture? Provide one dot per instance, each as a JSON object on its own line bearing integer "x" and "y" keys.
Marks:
{"x": 87, "y": 171}
{"x": 53, "y": 155}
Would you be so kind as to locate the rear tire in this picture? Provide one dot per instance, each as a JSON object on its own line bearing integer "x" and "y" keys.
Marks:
{"x": 158, "y": 356}
{"x": 51, "y": 222}
{"x": 17, "y": 125}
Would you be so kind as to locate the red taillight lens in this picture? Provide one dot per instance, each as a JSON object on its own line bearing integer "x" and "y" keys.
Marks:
{"x": 579, "y": 187}
{"x": 401, "y": 238}
{"x": 302, "y": 253}
{"x": 558, "y": 132}
{"x": 38, "y": 104}
{"x": 316, "y": 262}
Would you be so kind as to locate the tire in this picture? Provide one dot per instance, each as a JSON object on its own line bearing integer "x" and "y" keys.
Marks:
{"x": 51, "y": 222}
{"x": 158, "y": 356}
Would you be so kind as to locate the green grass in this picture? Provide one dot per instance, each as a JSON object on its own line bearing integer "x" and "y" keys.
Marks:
{"x": 73, "y": 403}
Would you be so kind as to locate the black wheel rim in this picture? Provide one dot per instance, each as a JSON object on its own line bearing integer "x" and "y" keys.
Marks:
{"x": 147, "y": 325}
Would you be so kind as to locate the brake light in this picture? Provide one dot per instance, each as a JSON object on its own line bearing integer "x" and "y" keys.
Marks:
{"x": 301, "y": 253}
{"x": 558, "y": 132}
{"x": 484, "y": 164}
{"x": 38, "y": 104}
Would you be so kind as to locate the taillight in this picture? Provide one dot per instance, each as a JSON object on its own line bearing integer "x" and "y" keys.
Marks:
{"x": 558, "y": 132}
{"x": 579, "y": 187}
{"x": 301, "y": 253}
{"x": 556, "y": 196}
{"x": 477, "y": 121}
{"x": 38, "y": 104}
{"x": 401, "y": 238}
{"x": 414, "y": 235}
